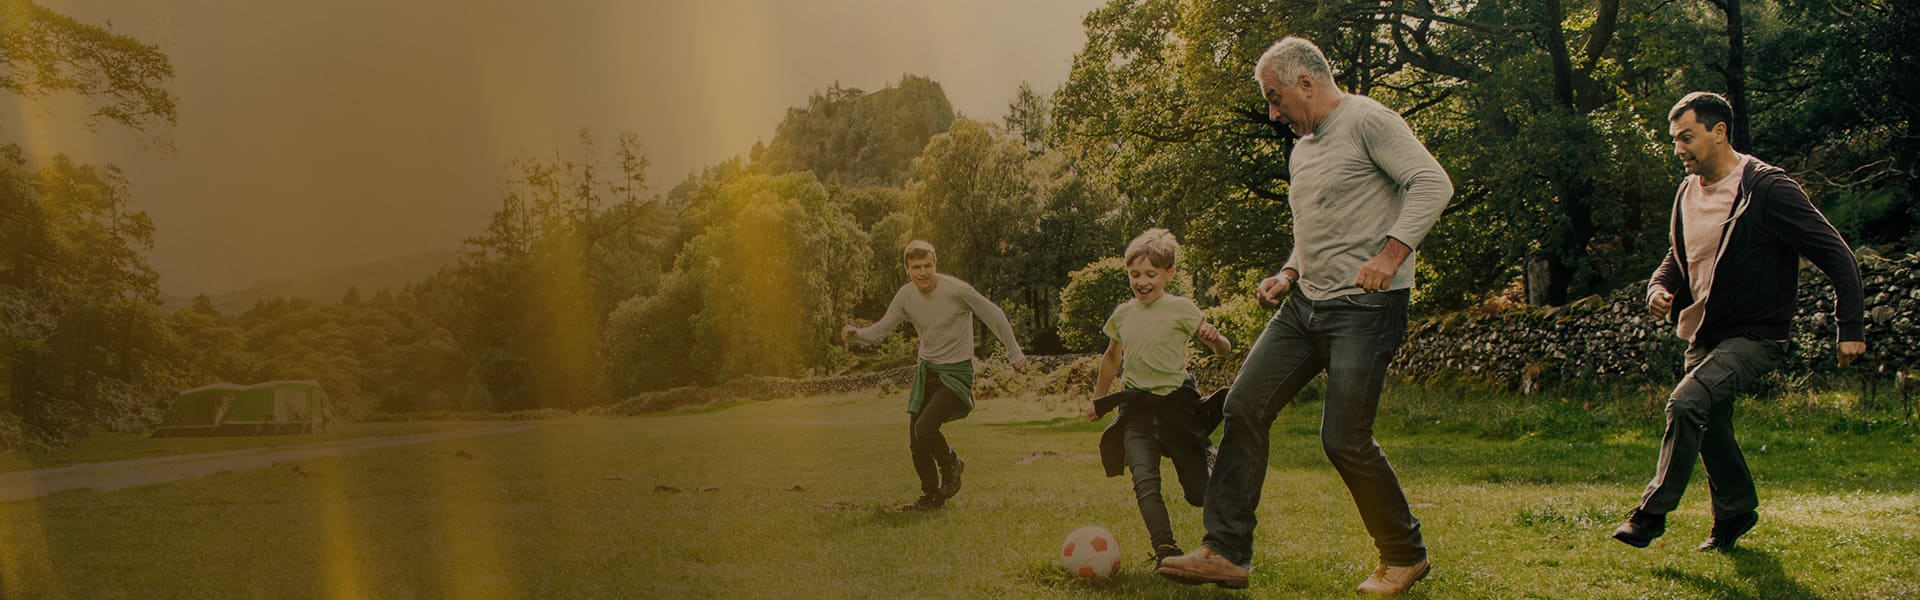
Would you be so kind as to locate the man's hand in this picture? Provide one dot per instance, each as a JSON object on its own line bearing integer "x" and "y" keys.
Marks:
{"x": 1850, "y": 351}
{"x": 1377, "y": 274}
{"x": 1659, "y": 303}
{"x": 846, "y": 333}
{"x": 1020, "y": 366}
{"x": 1092, "y": 416}
{"x": 1272, "y": 289}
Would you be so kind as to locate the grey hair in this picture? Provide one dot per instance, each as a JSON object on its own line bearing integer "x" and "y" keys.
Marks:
{"x": 1291, "y": 57}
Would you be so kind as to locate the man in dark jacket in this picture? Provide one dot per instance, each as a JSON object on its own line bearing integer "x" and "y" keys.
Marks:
{"x": 1739, "y": 229}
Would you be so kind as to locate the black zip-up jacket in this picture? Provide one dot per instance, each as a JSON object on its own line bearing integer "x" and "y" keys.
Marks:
{"x": 1772, "y": 224}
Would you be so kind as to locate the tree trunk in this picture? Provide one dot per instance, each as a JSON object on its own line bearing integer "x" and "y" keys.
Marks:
{"x": 1737, "y": 75}
{"x": 1575, "y": 202}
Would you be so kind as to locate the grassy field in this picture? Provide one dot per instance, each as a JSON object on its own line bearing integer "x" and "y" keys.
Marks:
{"x": 793, "y": 499}
{"x": 122, "y": 446}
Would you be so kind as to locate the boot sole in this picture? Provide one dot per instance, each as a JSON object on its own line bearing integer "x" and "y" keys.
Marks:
{"x": 1632, "y": 542}
{"x": 1191, "y": 578}
{"x": 1710, "y": 546}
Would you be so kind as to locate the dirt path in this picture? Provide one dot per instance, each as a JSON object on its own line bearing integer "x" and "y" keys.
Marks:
{"x": 122, "y": 474}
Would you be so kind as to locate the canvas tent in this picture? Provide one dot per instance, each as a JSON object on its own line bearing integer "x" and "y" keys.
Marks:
{"x": 273, "y": 407}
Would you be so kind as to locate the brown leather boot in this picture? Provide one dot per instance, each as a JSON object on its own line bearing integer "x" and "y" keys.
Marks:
{"x": 1726, "y": 532}
{"x": 927, "y": 502}
{"x": 1204, "y": 566}
{"x": 1641, "y": 528}
{"x": 1390, "y": 579}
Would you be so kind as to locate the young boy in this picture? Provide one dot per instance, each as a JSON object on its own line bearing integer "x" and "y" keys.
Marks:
{"x": 1161, "y": 412}
{"x": 942, "y": 309}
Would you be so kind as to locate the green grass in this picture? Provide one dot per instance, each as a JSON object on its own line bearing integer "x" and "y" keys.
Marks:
{"x": 793, "y": 498}
{"x": 121, "y": 446}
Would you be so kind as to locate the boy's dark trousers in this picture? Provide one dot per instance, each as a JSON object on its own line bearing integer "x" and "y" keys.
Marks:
{"x": 1175, "y": 426}
{"x": 931, "y": 454}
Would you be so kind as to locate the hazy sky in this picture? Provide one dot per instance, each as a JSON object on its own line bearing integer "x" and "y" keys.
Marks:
{"x": 323, "y": 134}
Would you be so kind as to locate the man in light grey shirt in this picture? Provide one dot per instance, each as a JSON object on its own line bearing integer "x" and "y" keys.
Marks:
{"x": 942, "y": 309}
{"x": 1363, "y": 192}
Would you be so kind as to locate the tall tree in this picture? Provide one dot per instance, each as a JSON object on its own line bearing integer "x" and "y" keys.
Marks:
{"x": 1835, "y": 99}
{"x": 1028, "y": 116}
{"x": 552, "y": 262}
{"x": 1011, "y": 222}
{"x": 82, "y": 342}
{"x": 848, "y": 136}
{"x": 43, "y": 52}
{"x": 972, "y": 197}
{"x": 1735, "y": 72}
{"x": 759, "y": 291}
{"x": 1161, "y": 96}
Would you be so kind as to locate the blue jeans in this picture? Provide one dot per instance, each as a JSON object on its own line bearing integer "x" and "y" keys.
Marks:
{"x": 1352, "y": 338}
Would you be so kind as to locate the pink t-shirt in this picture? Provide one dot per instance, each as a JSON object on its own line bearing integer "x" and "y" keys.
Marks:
{"x": 1704, "y": 209}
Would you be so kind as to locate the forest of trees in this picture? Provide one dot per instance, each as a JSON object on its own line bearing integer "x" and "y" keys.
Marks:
{"x": 590, "y": 283}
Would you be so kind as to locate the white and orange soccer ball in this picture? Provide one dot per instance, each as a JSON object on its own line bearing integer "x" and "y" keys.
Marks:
{"x": 1090, "y": 552}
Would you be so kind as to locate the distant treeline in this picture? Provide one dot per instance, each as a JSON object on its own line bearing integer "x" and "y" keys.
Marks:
{"x": 589, "y": 286}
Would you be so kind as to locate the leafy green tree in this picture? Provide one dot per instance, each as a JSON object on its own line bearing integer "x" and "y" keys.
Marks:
{"x": 1029, "y": 117}
{"x": 779, "y": 272}
{"x": 203, "y": 304}
{"x": 1160, "y": 106}
{"x": 1079, "y": 221}
{"x": 1088, "y": 299}
{"x": 211, "y": 348}
{"x": 82, "y": 342}
{"x": 649, "y": 339}
{"x": 1011, "y": 222}
{"x": 1539, "y": 112}
{"x": 553, "y": 261}
{"x": 848, "y": 136}
{"x": 973, "y": 198}
{"x": 1834, "y": 101}
{"x": 43, "y": 52}
{"x": 887, "y": 240}
{"x": 1091, "y": 294}
{"x": 868, "y": 205}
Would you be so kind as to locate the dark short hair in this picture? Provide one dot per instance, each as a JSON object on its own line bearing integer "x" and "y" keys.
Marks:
{"x": 1708, "y": 108}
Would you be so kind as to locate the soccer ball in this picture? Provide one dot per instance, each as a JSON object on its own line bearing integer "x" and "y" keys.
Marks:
{"x": 1090, "y": 552}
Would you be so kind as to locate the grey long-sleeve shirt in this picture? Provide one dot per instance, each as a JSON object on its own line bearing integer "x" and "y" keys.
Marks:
{"x": 1360, "y": 178}
{"x": 944, "y": 320}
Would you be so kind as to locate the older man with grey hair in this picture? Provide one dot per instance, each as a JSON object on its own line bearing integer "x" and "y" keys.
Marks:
{"x": 1363, "y": 192}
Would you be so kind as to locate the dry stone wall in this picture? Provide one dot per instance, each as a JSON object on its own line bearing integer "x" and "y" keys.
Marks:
{"x": 1612, "y": 339}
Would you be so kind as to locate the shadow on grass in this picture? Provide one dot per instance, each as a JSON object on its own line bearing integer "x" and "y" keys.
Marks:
{"x": 1056, "y": 425}
{"x": 1539, "y": 441}
{"x": 1135, "y": 580}
{"x": 1760, "y": 570}
{"x": 893, "y": 516}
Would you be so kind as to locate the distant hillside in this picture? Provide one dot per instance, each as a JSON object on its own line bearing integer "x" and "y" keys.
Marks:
{"x": 851, "y": 137}
{"x": 329, "y": 285}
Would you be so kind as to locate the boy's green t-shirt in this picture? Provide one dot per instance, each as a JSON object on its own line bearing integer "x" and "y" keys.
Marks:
{"x": 1153, "y": 341}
